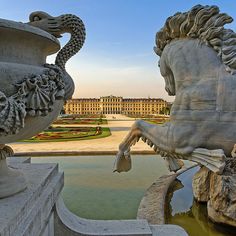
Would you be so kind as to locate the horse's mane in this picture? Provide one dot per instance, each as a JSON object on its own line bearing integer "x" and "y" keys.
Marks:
{"x": 206, "y": 24}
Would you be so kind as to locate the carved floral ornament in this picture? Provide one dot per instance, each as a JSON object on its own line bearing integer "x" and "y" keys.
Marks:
{"x": 35, "y": 96}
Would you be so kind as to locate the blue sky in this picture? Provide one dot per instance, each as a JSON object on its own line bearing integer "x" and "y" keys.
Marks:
{"x": 118, "y": 56}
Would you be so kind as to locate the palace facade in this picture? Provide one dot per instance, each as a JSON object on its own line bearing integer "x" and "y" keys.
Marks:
{"x": 115, "y": 105}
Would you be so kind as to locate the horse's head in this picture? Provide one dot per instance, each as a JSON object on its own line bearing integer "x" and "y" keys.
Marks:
{"x": 167, "y": 73}
{"x": 201, "y": 26}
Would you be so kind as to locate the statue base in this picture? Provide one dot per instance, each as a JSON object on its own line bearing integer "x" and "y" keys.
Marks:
{"x": 31, "y": 212}
{"x": 12, "y": 180}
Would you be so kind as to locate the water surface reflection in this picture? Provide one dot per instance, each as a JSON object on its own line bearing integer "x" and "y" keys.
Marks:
{"x": 183, "y": 210}
{"x": 93, "y": 191}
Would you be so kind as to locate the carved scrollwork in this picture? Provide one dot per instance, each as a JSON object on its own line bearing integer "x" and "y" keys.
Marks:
{"x": 35, "y": 96}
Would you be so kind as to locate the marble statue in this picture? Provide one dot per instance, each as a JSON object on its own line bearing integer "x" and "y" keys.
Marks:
{"x": 32, "y": 93}
{"x": 198, "y": 62}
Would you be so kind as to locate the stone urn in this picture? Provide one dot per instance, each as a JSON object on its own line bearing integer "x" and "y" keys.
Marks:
{"x": 32, "y": 93}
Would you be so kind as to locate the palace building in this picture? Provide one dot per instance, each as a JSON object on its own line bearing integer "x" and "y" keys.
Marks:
{"x": 115, "y": 105}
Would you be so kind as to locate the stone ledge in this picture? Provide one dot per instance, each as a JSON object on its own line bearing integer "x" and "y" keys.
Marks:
{"x": 39, "y": 216}
{"x": 152, "y": 205}
{"x": 66, "y": 223}
{"x": 26, "y": 213}
{"x": 15, "y": 160}
{"x": 81, "y": 153}
{"x": 69, "y": 224}
{"x": 167, "y": 230}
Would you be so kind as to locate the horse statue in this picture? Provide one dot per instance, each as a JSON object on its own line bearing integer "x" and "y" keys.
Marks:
{"x": 198, "y": 63}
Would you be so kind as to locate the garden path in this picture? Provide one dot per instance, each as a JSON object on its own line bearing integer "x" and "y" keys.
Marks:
{"x": 118, "y": 124}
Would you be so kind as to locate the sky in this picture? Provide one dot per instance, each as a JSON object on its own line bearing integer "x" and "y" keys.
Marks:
{"x": 117, "y": 57}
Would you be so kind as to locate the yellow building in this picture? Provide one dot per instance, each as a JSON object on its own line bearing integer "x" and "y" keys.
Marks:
{"x": 115, "y": 105}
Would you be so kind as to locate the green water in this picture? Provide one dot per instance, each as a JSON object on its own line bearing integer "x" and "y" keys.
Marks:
{"x": 93, "y": 191}
{"x": 192, "y": 216}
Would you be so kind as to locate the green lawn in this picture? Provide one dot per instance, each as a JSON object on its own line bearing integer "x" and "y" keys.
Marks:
{"x": 59, "y": 134}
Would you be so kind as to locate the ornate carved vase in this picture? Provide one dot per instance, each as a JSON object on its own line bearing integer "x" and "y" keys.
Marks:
{"x": 32, "y": 93}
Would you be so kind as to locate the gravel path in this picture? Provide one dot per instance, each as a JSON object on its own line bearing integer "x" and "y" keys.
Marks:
{"x": 119, "y": 127}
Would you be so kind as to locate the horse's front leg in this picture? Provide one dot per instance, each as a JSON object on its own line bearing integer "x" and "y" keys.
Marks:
{"x": 155, "y": 136}
{"x": 150, "y": 133}
{"x": 132, "y": 138}
{"x": 123, "y": 161}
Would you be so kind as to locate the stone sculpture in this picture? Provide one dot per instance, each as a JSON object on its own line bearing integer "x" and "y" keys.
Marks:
{"x": 32, "y": 93}
{"x": 218, "y": 192}
{"x": 198, "y": 63}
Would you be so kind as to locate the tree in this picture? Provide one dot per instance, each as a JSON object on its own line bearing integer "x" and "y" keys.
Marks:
{"x": 165, "y": 111}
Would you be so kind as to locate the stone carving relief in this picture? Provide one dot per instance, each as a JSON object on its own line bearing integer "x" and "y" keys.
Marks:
{"x": 37, "y": 93}
{"x": 35, "y": 97}
{"x": 32, "y": 93}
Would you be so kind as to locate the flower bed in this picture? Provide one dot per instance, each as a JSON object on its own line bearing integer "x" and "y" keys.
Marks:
{"x": 69, "y": 134}
{"x": 81, "y": 121}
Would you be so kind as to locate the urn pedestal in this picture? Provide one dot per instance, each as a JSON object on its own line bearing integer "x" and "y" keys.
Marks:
{"x": 12, "y": 180}
{"x": 31, "y": 93}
